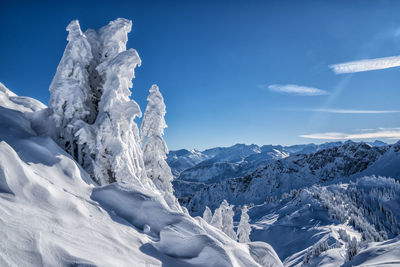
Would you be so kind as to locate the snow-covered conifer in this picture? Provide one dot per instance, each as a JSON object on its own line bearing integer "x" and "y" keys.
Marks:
{"x": 227, "y": 220}
{"x": 207, "y": 215}
{"x": 154, "y": 147}
{"x": 223, "y": 219}
{"x": 244, "y": 228}
{"x": 353, "y": 247}
{"x": 216, "y": 220}
{"x": 90, "y": 103}
{"x": 70, "y": 93}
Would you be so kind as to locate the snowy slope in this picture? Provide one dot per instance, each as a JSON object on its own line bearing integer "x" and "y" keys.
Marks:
{"x": 367, "y": 210}
{"x": 313, "y": 199}
{"x": 378, "y": 254}
{"x": 52, "y": 214}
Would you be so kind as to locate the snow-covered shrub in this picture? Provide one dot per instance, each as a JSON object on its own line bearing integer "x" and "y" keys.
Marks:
{"x": 244, "y": 228}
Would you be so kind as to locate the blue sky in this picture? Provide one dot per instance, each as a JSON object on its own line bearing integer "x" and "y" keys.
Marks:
{"x": 231, "y": 71}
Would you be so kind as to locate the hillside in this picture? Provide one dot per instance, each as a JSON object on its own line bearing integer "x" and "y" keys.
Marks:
{"x": 67, "y": 209}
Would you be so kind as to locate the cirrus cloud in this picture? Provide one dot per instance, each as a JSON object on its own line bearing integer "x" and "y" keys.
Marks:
{"x": 380, "y": 133}
{"x": 296, "y": 90}
{"x": 353, "y": 111}
{"x": 366, "y": 65}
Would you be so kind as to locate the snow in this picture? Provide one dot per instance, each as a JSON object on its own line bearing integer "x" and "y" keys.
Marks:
{"x": 378, "y": 254}
{"x": 52, "y": 213}
{"x": 76, "y": 188}
{"x": 311, "y": 199}
{"x": 283, "y": 175}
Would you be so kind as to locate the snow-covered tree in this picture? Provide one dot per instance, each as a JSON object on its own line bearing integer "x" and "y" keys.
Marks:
{"x": 119, "y": 156}
{"x": 216, "y": 220}
{"x": 207, "y": 215}
{"x": 91, "y": 106}
{"x": 315, "y": 251}
{"x": 244, "y": 228}
{"x": 353, "y": 247}
{"x": 223, "y": 219}
{"x": 154, "y": 147}
{"x": 70, "y": 94}
{"x": 227, "y": 219}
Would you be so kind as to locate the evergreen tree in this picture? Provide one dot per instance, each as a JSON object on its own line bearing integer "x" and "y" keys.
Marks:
{"x": 216, "y": 220}
{"x": 227, "y": 219}
{"x": 154, "y": 147}
{"x": 223, "y": 219}
{"x": 91, "y": 106}
{"x": 244, "y": 228}
{"x": 207, "y": 215}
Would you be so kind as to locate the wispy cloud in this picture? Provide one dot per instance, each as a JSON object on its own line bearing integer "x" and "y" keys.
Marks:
{"x": 393, "y": 133}
{"x": 296, "y": 90}
{"x": 366, "y": 65}
{"x": 353, "y": 111}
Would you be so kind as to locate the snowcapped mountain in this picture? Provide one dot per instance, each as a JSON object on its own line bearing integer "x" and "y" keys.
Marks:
{"x": 320, "y": 200}
{"x": 220, "y": 163}
{"x": 279, "y": 176}
{"x": 74, "y": 188}
{"x": 183, "y": 159}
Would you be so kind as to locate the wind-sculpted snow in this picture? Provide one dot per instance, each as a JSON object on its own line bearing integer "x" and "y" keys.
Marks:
{"x": 53, "y": 214}
{"x": 177, "y": 234}
{"x": 11, "y": 101}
